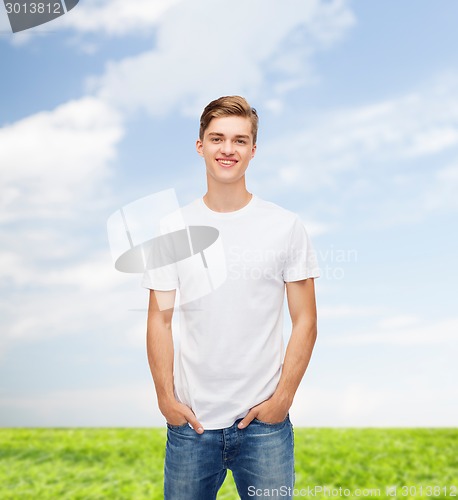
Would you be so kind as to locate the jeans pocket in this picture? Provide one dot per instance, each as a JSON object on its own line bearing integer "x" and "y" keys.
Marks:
{"x": 271, "y": 424}
{"x": 181, "y": 426}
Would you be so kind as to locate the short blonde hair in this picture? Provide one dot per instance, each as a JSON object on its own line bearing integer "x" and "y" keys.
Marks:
{"x": 233, "y": 105}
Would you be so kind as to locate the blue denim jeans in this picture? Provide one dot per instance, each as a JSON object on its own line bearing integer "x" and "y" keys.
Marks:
{"x": 261, "y": 457}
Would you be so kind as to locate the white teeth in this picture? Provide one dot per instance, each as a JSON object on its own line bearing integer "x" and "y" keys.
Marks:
{"x": 226, "y": 162}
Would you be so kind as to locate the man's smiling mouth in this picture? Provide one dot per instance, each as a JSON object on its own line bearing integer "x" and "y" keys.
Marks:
{"x": 226, "y": 163}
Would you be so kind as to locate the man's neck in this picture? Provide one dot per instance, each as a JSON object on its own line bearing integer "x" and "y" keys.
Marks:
{"x": 226, "y": 198}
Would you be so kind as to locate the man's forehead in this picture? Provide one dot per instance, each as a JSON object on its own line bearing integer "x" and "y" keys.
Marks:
{"x": 233, "y": 125}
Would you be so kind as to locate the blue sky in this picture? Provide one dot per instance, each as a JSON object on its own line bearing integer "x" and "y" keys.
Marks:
{"x": 358, "y": 103}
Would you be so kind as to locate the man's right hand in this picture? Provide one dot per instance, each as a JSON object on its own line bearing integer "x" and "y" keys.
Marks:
{"x": 177, "y": 413}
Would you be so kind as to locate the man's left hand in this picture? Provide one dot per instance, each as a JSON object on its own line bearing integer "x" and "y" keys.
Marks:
{"x": 271, "y": 411}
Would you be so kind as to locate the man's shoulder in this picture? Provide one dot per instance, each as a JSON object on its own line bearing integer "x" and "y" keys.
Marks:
{"x": 276, "y": 210}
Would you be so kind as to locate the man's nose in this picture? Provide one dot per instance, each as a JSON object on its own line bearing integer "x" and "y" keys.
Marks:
{"x": 227, "y": 147}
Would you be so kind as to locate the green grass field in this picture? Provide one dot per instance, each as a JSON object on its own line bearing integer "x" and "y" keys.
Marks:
{"x": 82, "y": 463}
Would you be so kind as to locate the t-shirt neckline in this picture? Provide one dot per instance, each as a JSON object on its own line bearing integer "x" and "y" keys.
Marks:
{"x": 233, "y": 213}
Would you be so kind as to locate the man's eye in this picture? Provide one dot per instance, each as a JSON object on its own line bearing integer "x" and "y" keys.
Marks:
{"x": 216, "y": 139}
{"x": 241, "y": 141}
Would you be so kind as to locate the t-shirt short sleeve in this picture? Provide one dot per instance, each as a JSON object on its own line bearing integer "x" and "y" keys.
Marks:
{"x": 162, "y": 279}
{"x": 301, "y": 261}
{"x": 161, "y": 269}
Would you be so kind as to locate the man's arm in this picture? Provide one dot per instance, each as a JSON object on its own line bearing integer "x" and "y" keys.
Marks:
{"x": 302, "y": 308}
{"x": 159, "y": 345}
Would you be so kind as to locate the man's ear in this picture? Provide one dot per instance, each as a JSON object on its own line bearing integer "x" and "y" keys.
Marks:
{"x": 199, "y": 147}
{"x": 253, "y": 151}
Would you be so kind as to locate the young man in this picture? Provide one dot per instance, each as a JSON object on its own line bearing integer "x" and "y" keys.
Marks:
{"x": 226, "y": 396}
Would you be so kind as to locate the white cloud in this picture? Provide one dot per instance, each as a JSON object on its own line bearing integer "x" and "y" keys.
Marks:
{"x": 448, "y": 174}
{"x": 400, "y": 321}
{"x": 402, "y": 331}
{"x": 366, "y": 139}
{"x": 119, "y": 406}
{"x": 209, "y": 49}
{"x": 5, "y": 28}
{"x": 54, "y": 171}
{"x": 53, "y": 159}
{"x": 116, "y": 17}
{"x": 68, "y": 308}
{"x": 441, "y": 195}
{"x": 364, "y": 405}
{"x": 112, "y": 18}
{"x": 349, "y": 311}
{"x": 315, "y": 228}
{"x": 417, "y": 195}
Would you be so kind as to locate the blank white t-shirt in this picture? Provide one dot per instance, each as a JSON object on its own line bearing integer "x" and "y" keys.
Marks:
{"x": 231, "y": 350}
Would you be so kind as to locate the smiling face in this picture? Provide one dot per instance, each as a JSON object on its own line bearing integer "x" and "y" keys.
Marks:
{"x": 227, "y": 148}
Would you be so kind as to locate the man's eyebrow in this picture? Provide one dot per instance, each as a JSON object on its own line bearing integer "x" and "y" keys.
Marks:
{"x": 239, "y": 136}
